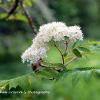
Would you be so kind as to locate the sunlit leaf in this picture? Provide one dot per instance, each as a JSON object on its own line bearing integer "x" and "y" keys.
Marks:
{"x": 28, "y": 3}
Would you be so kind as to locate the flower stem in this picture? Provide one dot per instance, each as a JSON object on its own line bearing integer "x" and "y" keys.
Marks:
{"x": 66, "y": 45}
{"x": 60, "y": 53}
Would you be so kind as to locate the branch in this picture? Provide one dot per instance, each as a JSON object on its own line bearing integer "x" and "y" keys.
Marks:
{"x": 13, "y": 9}
{"x": 29, "y": 18}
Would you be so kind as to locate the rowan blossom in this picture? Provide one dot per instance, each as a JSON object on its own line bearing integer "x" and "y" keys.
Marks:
{"x": 32, "y": 55}
{"x": 55, "y": 31}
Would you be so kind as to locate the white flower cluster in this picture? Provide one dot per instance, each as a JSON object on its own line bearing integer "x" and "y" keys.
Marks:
{"x": 55, "y": 31}
{"x": 33, "y": 55}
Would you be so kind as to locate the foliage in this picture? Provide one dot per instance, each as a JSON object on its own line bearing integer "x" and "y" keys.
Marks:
{"x": 64, "y": 84}
{"x": 80, "y": 80}
{"x": 84, "y": 13}
{"x": 70, "y": 84}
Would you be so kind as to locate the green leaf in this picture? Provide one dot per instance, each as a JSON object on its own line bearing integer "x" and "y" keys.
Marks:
{"x": 84, "y": 49}
{"x": 77, "y": 52}
{"x": 75, "y": 44}
{"x": 74, "y": 80}
{"x": 53, "y": 55}
{"x": 3, "y": 15}
{"x": 21, "y": 17}
{"x": 28, "y": 3}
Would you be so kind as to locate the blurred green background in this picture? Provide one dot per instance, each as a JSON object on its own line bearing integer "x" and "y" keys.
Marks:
{"x": 16, "y": 34}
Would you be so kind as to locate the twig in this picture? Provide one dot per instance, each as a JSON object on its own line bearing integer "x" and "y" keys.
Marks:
{"x": 54, "y": 68}
{"x": 60, "y": 53}
{"x": 13, "y": 9}
{"x": 73, "y": 59}
{"x": 30, "y": 21}
{"x": 66, "y": 45}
